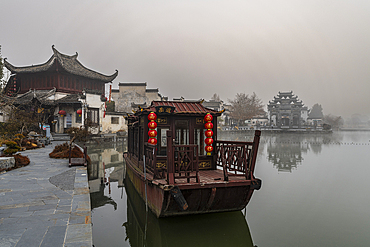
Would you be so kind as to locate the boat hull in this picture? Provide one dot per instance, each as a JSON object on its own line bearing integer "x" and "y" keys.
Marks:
{"x": 223, "y": 229}
{"x": 199, "y": 198}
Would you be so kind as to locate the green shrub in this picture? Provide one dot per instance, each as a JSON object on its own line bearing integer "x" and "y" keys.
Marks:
{"x": 12, "y": 147}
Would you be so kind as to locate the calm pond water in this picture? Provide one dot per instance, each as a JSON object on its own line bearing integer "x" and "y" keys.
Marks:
{"x": 315, "y": 192}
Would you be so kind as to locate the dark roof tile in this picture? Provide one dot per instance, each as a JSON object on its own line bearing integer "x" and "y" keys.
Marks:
{"x": 69, "y": 63}
{"x": 184, "y": 107}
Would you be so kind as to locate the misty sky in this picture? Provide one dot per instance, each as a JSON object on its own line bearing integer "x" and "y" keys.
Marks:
{"x": 317, "y": 48}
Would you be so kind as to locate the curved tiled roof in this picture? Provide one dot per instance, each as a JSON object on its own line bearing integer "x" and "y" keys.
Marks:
{"x": 41, "y": 95}
{"x": 71, "y": 98}
{"x": 69, "y": 63}
{"x": 195, "y": 107}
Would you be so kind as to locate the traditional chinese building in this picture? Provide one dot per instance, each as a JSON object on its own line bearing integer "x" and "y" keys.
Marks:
{"x": 133, "y": 95}
{"x": 287, "y": 111}
{"x": 62, "y": 85}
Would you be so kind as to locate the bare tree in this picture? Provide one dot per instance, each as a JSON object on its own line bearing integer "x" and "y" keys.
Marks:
{"x": 335, "y": 121}
{"x": 245, "y": 107}
{"x": 2, "y": 74}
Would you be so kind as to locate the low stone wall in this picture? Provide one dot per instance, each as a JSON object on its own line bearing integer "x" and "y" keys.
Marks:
{"x": 6, "y": 163}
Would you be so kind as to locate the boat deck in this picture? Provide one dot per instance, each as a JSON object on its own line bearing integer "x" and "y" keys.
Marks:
{"x": 206, "y": 177}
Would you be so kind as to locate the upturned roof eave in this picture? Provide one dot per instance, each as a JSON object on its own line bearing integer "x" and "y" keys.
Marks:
{"x": 68, "y": 63}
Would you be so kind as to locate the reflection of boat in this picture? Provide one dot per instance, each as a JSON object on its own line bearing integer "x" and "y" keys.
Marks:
{"x": 180, "y": 174}
{"x": 218, "y": 229}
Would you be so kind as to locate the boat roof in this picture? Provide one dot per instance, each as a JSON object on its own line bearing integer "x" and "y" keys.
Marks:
{"x": 186, "y": 108}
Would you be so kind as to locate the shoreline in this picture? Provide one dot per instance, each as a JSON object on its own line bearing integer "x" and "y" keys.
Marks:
{"x": 46, "y": 203}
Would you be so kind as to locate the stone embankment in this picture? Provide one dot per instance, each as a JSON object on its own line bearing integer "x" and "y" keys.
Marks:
{"x": 45, "y": 203}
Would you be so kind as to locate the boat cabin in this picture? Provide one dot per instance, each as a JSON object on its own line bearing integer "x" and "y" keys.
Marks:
{"x": 182, "y": 145}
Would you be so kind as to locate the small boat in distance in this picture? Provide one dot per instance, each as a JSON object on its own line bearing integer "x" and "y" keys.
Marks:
{"x": 178, "y": 166}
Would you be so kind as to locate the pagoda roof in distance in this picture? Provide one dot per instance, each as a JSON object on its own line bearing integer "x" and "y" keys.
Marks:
{"x": 69, "y": 63}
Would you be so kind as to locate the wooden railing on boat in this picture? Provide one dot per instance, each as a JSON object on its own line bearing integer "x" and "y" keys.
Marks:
{"x": 186, "y": 162}
{"x": 150, "y": 154}
{"x": 235, "y": 158}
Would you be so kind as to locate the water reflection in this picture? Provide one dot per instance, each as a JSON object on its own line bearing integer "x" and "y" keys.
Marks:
{"x": 120, "y": 217}
{"x": 285, "y": 151}
{"x": 285, "y": 154}
{"x": 314, "y": 203}
{"x": 144, "y": 229}
{"x": 106, "y": 167}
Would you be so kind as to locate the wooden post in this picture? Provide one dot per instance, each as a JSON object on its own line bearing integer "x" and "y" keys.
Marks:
{"x": 170, "y": 164}
{"x": 256, "y": 142}
{"x": 70, "y": 154}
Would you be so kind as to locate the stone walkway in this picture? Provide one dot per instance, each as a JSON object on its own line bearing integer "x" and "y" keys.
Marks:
{"x": 45, "y": 203}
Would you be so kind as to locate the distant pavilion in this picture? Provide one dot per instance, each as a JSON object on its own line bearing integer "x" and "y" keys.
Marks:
{"x": 286, "y": 111}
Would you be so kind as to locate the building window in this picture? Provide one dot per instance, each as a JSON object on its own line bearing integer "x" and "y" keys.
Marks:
{"x": 114, "y": 120}
{"x": 93, "y": 116}
{"x": 78, "y": 118}
{"x": 69, "y": 120}
{"x": 114, "y": 158}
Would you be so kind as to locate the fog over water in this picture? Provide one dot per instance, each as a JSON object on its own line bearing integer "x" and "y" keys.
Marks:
{"x": 314, "y": 193}
{"x": 318, "y": 49}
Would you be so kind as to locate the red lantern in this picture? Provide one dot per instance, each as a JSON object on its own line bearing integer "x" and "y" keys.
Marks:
{"x": 79, "y": 112}
{"x": 208, "y": 149}
{"x": 208, "y": 125}
{"x": 152, "y": 141}
{"x": 152, "y": 116}
{"x": 152, "y": 125}
{"x": 152, "y": 133}
{"x": 62, "y": 112}
{"x": 208, "y": 141}
{"x": 208, "y": 117}
{"x": 208, "y": 133}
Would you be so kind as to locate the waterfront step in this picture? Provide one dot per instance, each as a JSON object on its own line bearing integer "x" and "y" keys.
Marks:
{"x": 60, "y": 137}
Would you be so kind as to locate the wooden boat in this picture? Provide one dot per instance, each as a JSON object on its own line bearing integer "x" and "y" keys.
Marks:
{"x": 182, "y": 172}
{"x": 144, "y": 229}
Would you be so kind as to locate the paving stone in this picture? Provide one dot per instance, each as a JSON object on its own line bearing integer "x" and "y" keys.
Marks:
{"x": 44, "y": 212}
{"x": 9, "y": 237}
{"x": 21, "y": 205}
{"x": 42, "y": 207}
{"x": 78, "y": 233}
{"x": 65, "y": 180}
{"x": 21, "y": 214}
{"x": 65, "y": 202}
{"x": 36, "y": 212}
{"x": 54, "y": 236}
{"x": 67, "y": 208}
{"x": 52, "y": 201}
{"x": 79, "y": 244}
{"x": 62, "y": 195}
{"x": 32, "y": 237}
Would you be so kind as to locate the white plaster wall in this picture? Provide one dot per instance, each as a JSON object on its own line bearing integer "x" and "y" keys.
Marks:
{"x": 128, "y": 95}
{"x": 108, "y": 127}
{"x": 93, "y": 100}
{"x": 152, "y": 96}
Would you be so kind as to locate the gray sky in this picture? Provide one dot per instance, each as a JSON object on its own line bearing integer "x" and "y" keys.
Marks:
{"x": 195, "y": 48}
